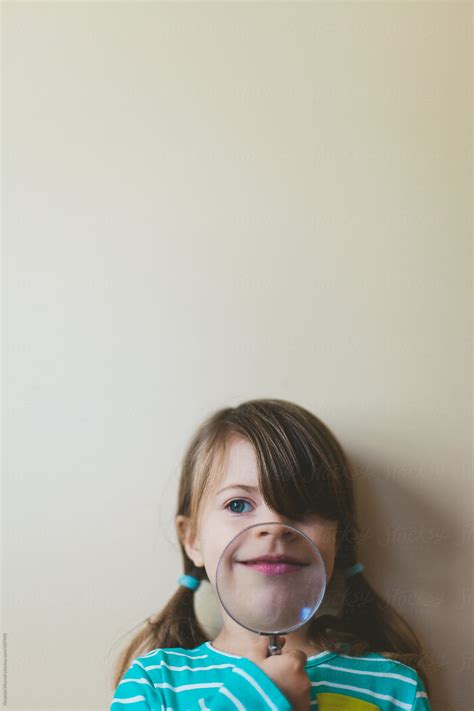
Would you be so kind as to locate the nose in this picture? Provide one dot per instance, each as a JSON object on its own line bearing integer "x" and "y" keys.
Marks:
{"x": 276, "y": 526}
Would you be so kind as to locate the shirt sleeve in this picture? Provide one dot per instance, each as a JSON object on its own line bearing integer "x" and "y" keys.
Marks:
{"x": 421, "y": 701}
{"x": 135, "y": 691}
{"x": 247, "y": 686}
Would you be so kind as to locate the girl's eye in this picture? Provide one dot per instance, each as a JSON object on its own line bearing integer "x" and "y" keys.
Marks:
{"x": 236, "y": 505}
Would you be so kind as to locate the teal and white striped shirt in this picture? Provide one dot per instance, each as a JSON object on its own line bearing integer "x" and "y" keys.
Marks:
{"x": 176, "y": 679}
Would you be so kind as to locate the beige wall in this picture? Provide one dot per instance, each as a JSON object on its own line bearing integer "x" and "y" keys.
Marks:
{"x": 206, "y": 203}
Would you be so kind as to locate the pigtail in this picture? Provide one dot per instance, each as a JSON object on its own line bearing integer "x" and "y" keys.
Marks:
{"x": 176, "y": 625}
{"x": 366, "y": 622}
{"x": 370, "y": 616}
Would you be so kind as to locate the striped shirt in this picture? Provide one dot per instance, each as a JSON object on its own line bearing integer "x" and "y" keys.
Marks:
{"x": 177, "y": 679}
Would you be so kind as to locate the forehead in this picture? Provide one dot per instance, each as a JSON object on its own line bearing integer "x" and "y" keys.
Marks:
{"x": 240, "y": 462}
{"x": 236, "y": 464}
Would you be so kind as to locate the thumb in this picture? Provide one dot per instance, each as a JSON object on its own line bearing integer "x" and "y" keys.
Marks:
{"x": 299, "y": 656}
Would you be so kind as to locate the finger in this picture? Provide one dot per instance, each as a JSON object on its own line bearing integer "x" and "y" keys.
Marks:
{"x": 258, "y": 648}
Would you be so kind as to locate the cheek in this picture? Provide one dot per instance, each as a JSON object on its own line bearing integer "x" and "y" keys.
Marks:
{"x": 211, "y": 549}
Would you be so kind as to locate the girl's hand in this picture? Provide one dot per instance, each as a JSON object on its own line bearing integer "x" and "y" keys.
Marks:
{"x": 286, "y": 670}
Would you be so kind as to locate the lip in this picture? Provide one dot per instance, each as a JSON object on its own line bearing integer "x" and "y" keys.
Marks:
{"x": 274, "y": 558}
{"x": 274, "y": 564}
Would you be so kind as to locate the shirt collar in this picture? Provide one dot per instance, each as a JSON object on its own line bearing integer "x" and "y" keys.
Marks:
{"x": 312, "y": 661}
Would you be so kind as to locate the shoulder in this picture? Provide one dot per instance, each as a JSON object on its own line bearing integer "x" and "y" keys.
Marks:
{"x": 376, "y": 662}
{"x": 178, "y": 678}
{"x": 158, "y": 671}
{"x": 386, "y": 683}
{"x": 157, "y": 664}
{"x": 174, "y": 659}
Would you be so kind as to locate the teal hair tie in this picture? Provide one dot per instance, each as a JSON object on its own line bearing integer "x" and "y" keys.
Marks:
{"x": 189, "y": 581}
{"x": 356, "y": 568}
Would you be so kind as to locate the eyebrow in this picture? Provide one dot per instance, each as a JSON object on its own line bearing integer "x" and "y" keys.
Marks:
{"x": 239, "y": 486}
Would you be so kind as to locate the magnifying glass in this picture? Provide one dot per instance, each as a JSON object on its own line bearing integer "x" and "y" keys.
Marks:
{"x": 271, "y": 579}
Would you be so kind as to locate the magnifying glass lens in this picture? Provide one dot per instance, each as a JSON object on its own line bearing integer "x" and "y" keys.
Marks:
{"x": 271, "y": 578}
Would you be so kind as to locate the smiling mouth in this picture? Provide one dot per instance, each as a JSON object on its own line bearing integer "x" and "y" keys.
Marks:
{"x": 274, "y": 564}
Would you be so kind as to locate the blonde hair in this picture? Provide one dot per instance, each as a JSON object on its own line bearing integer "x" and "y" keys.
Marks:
{"x": 302, "y": 468}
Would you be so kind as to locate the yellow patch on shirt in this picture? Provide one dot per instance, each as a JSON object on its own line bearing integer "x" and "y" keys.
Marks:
{"x": 340, "y": 702}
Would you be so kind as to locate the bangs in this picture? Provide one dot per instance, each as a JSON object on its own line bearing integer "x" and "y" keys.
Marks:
{"x": 295, "y": 476}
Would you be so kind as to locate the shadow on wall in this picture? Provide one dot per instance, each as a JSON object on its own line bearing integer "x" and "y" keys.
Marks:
{"x": 414, "y": 554}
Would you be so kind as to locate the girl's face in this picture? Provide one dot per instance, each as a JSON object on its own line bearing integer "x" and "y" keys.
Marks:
{"x": 236, "y": 503}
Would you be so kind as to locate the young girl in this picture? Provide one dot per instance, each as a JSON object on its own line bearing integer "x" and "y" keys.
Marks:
{"x": 270, "y": 461}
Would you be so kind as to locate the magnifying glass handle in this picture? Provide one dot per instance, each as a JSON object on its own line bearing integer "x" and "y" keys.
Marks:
{"x": 273, "y": 646}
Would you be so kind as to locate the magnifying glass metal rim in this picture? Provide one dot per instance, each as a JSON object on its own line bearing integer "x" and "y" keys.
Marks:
{"x": 285, "y": 630}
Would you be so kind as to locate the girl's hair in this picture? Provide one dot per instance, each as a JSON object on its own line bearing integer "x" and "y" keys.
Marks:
{"x": 302, "y": 469}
